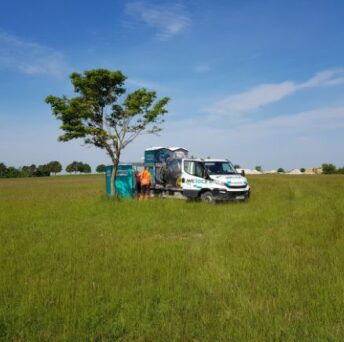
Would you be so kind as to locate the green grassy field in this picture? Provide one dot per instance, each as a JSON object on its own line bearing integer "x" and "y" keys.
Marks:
{"x": 76, "y": 266}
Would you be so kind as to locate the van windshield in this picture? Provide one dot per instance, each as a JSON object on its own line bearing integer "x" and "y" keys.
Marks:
{"x": 220, "y": 168}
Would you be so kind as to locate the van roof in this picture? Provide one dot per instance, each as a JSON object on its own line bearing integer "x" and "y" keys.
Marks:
{"x": 215, "y": 160}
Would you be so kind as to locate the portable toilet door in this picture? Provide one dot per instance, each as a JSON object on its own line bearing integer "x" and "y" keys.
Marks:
{"x": 125, "y": 181}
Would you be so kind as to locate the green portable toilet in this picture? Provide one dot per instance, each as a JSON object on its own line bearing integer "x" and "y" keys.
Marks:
{"x": 125, "y": 180}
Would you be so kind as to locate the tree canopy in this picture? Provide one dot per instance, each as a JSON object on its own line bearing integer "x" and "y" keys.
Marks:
{"x": 103, "y": 116}
{"x": 328, "y": 169}
{"x": 77, "y": 166}
{"x": 100, "y": 168}
{"x": 32, "y": 170}
{"x": 55, "y": 167}
{"x": 3, "y": 170}
{"x": 73, "y": 167}
{"x": 85, "y": 168}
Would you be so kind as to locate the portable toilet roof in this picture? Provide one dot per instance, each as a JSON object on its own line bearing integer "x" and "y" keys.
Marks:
{"x": 154, "y": 148}
{"x": 174, "y": 148}
{"x": 171, "y": 148}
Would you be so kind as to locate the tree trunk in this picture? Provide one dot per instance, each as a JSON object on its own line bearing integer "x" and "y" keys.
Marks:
{"x": 113, "y": 178}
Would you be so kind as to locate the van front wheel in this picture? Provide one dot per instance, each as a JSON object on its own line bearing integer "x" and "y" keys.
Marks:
{"x": 207, "y": 197}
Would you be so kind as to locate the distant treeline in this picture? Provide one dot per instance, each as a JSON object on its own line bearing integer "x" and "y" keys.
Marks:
{"x": 55, "y": 167}
{"x": 45, "y": 170}
{"x": 331, "y": 169}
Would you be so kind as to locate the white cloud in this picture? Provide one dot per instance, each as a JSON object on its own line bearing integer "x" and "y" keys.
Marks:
{"x": 308, "y": 121}
{"x": 325, "y": 78}
{"x": 304, "y": 139}
{"x": 264, "y": 94}
{"x": 167, "y": 20}
{"x": 28, "y": 57}
{"x": 254, "y": 98}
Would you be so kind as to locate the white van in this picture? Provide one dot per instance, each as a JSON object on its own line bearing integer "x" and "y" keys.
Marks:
{"x": 174, "y": 173}
{"x": 213, "y": 180}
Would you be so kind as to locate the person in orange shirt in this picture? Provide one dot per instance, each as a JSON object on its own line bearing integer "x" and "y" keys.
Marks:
{"x": 145, "y": 183}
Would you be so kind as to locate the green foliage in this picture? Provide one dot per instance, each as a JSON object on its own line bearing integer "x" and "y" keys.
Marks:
{"x": 100, "y": 168}
{"x": 237, "y": 166}
{"x": 103, "y": 116}
{"x": 259, "y": 168}
{"x": 43, "y": 171}
{"x": 73, "y": 167}
{"x": 76, "y": 166}
{"x": 25, "y": 171}
{"x": 302, "y": 169}
{"x": 3, "y": 170}
{"x": 55, "y": 167}
{"x": 280, "y": 170}
{"x": 12, "y": 172}
{"x": 340, "y": 171}
{"x": 29, "y": 171}
{"x": 328, "y": 169}
{"x": 85, "y": 168}
{"x": 77, "y": 267}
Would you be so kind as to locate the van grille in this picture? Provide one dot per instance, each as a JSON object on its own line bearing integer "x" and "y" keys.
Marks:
{"x": 236, "y": 186}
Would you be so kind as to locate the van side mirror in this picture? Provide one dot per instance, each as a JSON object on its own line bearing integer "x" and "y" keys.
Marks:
{"x": 242, "y": 173}
{"x": 206, "y": 174}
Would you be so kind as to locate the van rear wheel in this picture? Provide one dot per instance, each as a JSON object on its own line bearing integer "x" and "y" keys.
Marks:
{"x": 207, "y": 197}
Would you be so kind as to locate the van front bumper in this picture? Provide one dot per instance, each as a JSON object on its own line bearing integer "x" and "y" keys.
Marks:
{"x": 220, "y": 195}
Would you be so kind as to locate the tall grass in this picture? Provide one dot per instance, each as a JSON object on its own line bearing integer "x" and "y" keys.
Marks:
{"x": 76, "y": 266}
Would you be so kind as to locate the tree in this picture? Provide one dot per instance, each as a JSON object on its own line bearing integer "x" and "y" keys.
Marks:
{"x": 55, "y": 167}
{"x": 328, "y": 169}
{"x": 259, "y": 168}
{"x": 302, "y": 169}
{"x": 12, "y": 172}
{"x": 73, "y": 167}
{"x": 85, "y": 168}
{"x": 42, "y": 171}
{"x": 101, "y": 168}
{"x": 29, "y": 171}
{"x": 32, "y": 169}
{"x": 102, "y": 117}
{"x": 280, "y": 169}
{"x": 3, "y": 170}
{"x": 78, "y": 166}
{"x": 237, "y": 166}
{"x": 340, "y": 170}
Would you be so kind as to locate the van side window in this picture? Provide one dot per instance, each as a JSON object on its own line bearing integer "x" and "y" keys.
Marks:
{"x": 194, "y": 168}
{"x": 188, "y": 167}
{"x": 199, "y": 170}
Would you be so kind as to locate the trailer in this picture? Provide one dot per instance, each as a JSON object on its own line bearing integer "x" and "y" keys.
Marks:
{"x": 176, "y": 175}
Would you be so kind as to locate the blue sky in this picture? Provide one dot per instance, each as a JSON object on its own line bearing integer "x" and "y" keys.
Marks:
{"x": 258, "y": 82}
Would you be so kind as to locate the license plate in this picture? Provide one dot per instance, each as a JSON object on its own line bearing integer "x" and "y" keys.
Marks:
{"x": 240, "y": 197}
